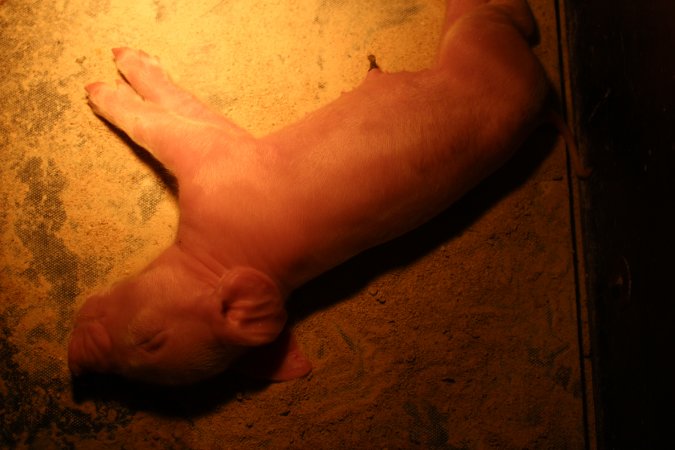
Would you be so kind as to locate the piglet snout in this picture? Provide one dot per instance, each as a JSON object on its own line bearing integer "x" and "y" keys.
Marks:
{"x": 89, "y": 349}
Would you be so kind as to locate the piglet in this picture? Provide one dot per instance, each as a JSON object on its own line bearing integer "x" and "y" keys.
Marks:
{"x": 261, "y": 216}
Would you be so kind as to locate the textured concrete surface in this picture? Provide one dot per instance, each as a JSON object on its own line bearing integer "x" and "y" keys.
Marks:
{"x": 462, "y": 334}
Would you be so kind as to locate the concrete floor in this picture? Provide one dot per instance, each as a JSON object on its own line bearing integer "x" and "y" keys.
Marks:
{"x": 462, "y": 334}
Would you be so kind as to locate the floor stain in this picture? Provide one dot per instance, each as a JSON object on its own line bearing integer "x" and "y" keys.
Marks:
{"x": 42, "y": 215}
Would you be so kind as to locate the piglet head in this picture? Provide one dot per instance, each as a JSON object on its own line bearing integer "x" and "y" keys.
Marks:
{"x": 167, "y": 327}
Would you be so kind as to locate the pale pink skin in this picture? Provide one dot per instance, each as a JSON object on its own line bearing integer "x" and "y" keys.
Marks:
{"x": 261, "y": 216}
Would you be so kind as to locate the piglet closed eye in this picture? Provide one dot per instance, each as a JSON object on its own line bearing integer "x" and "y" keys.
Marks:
{"x": 261, "y": 216}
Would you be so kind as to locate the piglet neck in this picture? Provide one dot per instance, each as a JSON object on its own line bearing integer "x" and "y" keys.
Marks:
{"x": 190, "y": 269}
{"x": 203, "y": 265}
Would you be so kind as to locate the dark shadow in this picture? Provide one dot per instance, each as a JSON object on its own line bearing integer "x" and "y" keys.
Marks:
{"x": 167, "y": 401}
{"x": 535, "y": 39}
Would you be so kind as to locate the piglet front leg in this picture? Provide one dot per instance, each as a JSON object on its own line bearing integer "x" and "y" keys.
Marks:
{"x": 158, "y": 115}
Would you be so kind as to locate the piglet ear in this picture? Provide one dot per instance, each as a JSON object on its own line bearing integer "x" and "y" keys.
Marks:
{"x": 280, "y": 360}
{"x": 251, "y": 308}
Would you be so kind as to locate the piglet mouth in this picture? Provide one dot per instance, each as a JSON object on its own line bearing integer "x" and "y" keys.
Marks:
{"x": 89, "y": 349}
